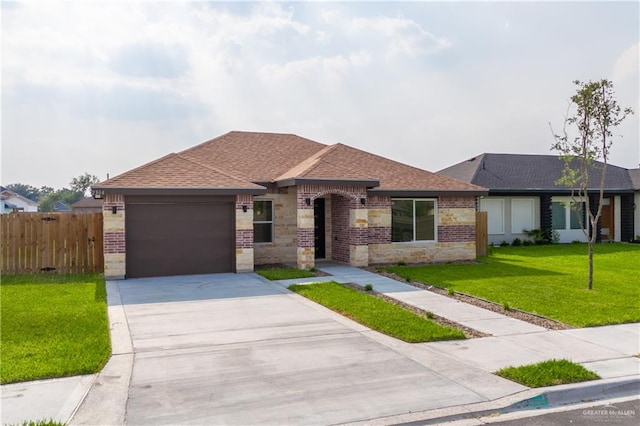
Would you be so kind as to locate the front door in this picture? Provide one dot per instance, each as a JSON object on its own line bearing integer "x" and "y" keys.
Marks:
{"x": 318, "y": 227}
{"x": 606, "y": 220}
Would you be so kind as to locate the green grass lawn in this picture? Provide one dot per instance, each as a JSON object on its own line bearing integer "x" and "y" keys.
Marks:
{"x": 52, "y": 326}
{"x": 376, "y": 313}
{"x": 277, "y": 274}
{"x": 548, "y": 280}
{"x": 548, "y": 373}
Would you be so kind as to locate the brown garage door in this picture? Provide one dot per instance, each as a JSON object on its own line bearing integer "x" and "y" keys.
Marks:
{"x": 174, "y": 236}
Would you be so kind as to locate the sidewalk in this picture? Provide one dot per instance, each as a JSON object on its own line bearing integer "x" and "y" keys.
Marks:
{"x": 609, "y": 351}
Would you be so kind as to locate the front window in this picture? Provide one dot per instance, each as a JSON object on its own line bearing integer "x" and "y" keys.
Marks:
{"x": 263, "y": 221}
{"x": 413, "y": 220}
{"x": 563, "y": 214}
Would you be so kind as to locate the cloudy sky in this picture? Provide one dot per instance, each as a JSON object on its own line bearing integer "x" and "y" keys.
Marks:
{"x": 102, "y": 87}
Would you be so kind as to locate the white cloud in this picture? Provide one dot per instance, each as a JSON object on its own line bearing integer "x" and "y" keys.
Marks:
{"x": 103, "y": 87}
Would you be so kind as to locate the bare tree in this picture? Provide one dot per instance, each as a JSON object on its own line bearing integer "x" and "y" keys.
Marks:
{"x": 595, "y": 117}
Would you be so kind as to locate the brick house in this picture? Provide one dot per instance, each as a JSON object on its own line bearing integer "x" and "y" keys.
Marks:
{"x": 244, "y": 199}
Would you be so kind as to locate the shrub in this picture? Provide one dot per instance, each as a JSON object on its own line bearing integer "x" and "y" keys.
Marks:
{"x": 517, "y": 242}
{"x": 504, "y": 244}
{"x": 527, "y": 243}
{"x": 402, "y": 263}
{"x": 368, "y": 287}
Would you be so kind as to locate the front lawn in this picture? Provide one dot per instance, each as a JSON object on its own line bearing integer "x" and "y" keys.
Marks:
{"x": 52, "y": 326}
{"x": 277, "y": 274}
{"x": 376, "y": 313}
{"x": 548, "y": 280}
{"x": 548, "y": 373}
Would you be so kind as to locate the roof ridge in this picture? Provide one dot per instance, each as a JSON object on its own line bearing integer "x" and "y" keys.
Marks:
{"x": 312, "y": 160}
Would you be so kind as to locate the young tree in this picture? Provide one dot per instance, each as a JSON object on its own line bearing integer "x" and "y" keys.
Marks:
{"x": 83, "y": 182}
{"x": 596, "y": 115}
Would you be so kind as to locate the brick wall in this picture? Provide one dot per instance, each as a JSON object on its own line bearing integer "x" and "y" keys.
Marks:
{"x": 340, "y": 228}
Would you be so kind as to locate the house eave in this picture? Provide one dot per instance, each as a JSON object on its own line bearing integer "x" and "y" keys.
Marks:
{"x": 368, "y": 183}
{"x": 97, "y": 192}
{"x": 427, "y": 193}
{"x": 556, "y": 191}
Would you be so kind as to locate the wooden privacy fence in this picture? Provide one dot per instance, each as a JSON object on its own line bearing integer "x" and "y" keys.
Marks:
{"x": 51, "y": 242}
{"x": 482, "y": 237}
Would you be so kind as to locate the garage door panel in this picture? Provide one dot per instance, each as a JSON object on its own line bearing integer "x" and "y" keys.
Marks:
{"x": 179, "y": 238}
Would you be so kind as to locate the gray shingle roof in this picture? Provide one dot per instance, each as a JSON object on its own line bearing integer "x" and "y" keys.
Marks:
{"x": 529, "y": 173}
{"x": 634, "y": 174}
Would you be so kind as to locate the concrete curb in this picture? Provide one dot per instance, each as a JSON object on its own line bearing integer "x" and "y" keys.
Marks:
{"x": 106, "y": 400}
{"x": 532, "y": 399}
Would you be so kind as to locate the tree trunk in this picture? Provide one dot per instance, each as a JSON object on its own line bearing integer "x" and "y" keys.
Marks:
{"x": 590, "y": 265}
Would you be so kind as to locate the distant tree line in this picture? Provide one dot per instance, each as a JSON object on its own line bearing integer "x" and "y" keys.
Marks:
{"x": 46, "y": 196}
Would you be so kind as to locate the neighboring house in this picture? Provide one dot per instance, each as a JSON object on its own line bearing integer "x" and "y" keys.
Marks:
{"x": 249, "y": 198}
{"x": 61, "y": 207}
{"x": 523, "y": 195}
{"x": 12, "y": 202}
{"x": 87, "y": 205}
{"x": 634, "y": 174}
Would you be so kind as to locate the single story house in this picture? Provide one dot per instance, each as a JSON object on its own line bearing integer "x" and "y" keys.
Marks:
{"x": 246, "y": 198}
{"x": 87, "y": 205}
{"x": 12, "y": 202}
{"x": 523, "y": 195}
{"x": 634, "y": 174}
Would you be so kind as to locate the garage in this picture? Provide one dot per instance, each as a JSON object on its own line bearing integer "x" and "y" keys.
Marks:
{"x": 173, "y": 235}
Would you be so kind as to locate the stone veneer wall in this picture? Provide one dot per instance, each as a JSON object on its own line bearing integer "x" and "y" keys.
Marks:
{"x": 285, "y": 233}
{"x": 455, "y": 241}
{"x": 114, "y": 237}
{"x": 244, "y": 233}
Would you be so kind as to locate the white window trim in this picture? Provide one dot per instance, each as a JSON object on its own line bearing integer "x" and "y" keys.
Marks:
{"x": 435, "y": 220}
{"x": 273, "y": 234}
{"x": 531, "y": 226}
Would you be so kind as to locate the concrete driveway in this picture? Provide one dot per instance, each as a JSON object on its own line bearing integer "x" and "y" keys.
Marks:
{"x": 234, "y": 349}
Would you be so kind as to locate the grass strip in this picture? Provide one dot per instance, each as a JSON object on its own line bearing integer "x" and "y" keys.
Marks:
{"x": 547, "y": 280}
{"x": 277, "y": 274}
{"x": 376, "y": 313}
{"x": 548, "y": 373}
{"x": 52, "y": 326}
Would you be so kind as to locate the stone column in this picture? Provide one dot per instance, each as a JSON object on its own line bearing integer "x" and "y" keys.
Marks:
{"x": 114, "y": 237}
{"x": 305, "y": 254}
{"x": 244, "y": 233}
{"x": 359, "y": 235}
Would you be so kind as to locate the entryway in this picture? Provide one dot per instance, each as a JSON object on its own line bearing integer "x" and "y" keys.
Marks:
{"x": 319, "y": 228}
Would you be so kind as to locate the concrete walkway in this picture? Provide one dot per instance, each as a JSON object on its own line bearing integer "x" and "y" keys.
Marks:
{"x": 234, "y": 348}
{"x": 610, "y": 351}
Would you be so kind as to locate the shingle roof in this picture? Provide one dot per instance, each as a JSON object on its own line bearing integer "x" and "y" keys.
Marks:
{"x": 634, "y": 175}
{"x": 87, "y": 202}
{"x": 176, "y": 171}
{"x": 241, "y": 159}
{"x": 528, "y": 172}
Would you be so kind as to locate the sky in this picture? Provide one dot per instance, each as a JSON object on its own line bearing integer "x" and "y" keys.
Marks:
{"x": 103, "y": 87}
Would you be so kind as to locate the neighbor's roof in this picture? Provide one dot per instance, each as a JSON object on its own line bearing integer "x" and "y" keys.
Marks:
{"x": 246, "y": 161}
{"x": 87, "y": 202}
{"x": 529, "y": 173}
{"x": 634, "y": 175}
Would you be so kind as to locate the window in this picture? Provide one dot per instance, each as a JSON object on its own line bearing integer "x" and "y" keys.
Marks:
{"x": 521, "y": 215}
{"x": 495, "y": 214}
{"x": 413, "y": 220}
{"x": 263, "y": 221}
{"x": 563, "y": 213}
